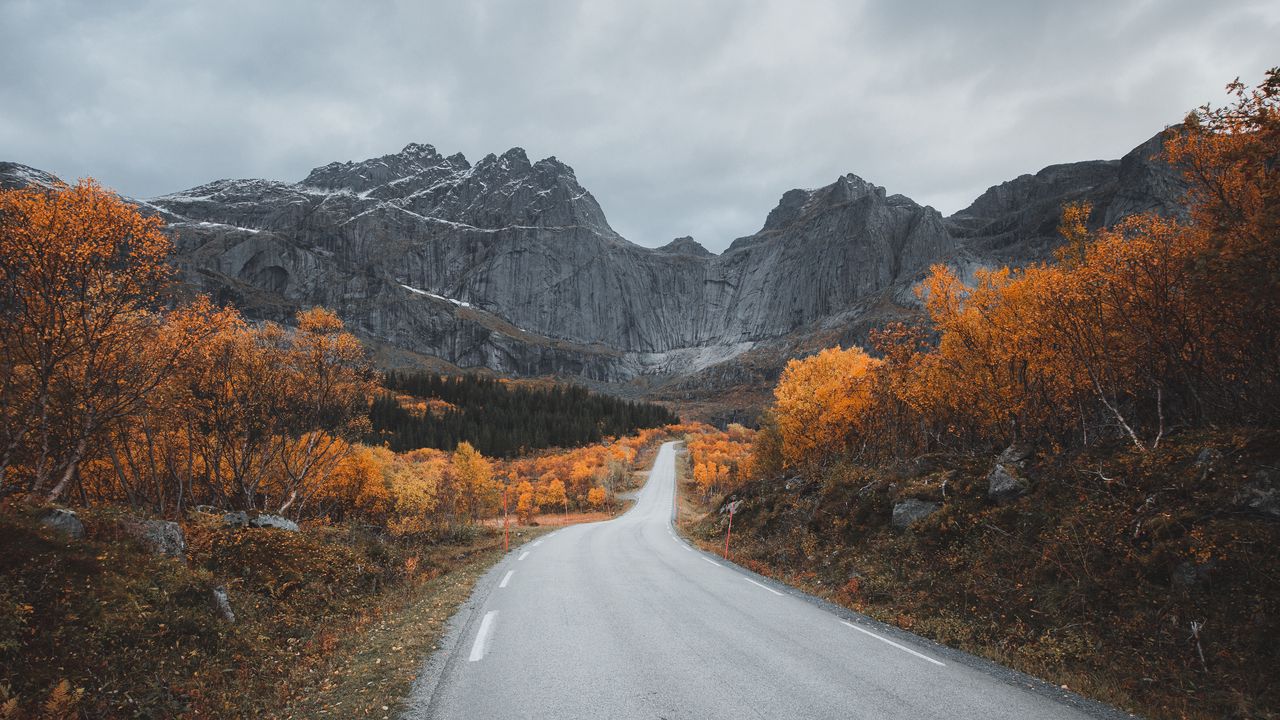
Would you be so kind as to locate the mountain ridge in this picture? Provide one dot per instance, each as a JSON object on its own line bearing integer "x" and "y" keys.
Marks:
{"x": 512, "y": 265}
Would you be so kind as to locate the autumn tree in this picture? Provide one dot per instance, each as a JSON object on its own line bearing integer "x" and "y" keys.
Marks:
{"x": 479, "y": 492}
{"x": 821, "y": 401}
{"x": 596, "y": 497}
{"x": 80, "y": 276}
{"x": 328, "y": 391}
{"x": 1228, "y": 158}
{"x": 417, "y": 494}
{"x": 552, "y": 494}
{"x": 526, "y": 502}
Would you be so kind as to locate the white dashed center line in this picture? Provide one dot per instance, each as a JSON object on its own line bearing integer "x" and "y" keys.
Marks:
{"x": 890, "y": 642}
{"x": 506, "y": 578}
{"x": 482, "y": 637}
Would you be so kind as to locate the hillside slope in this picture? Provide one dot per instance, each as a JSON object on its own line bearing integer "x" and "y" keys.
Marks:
{"x": 1145, "y": 582}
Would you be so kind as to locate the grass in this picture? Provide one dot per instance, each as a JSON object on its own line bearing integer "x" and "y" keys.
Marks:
{"x": 1091, "y": 581}
{"x": 332, "y": 620}
{"x": 369, "y": 673}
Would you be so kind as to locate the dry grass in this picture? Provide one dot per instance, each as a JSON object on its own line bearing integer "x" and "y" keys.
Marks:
{"x": 139, "y": 636}
{"x": 369, "y": 672}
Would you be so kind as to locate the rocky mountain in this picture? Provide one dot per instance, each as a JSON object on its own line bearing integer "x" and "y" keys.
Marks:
{"x": 511, "y": 264}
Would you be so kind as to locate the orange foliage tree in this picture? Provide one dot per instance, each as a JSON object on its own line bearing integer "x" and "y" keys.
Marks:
{"x": 1150, "y": 324}
{"x": 822, "y": 400}
{"x": 80, "y": 275}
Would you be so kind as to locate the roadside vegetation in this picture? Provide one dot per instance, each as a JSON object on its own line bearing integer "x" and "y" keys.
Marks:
{"x": 1070, "y": 467}
{"x": 190, "y": 523}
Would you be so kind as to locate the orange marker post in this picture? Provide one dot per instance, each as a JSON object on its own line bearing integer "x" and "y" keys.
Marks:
{"x": 728, "y": 532}
{"x": 505, "y": 533}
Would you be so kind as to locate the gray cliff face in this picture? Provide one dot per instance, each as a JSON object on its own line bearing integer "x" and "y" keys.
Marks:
{"x": 1017, "y": 221}
{"x": 819, "y": 252}
{"x": 511, "y": 264}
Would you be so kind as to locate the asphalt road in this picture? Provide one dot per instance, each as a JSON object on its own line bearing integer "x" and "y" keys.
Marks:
{"x": 622, "y": 619}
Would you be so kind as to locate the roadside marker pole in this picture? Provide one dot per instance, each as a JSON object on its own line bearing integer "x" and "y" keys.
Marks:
{"x": 505, "y": 533}
{"x": 729, "y": 531}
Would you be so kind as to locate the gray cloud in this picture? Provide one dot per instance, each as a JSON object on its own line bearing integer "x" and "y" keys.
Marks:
{"x": 681, "y": 117}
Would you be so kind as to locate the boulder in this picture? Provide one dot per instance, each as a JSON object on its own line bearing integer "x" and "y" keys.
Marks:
{"x": 240, "y": 518}
{"x": 274, "y": 521}
{"x": 1261, "y": 495}
{"x": 162, "y": 537}
{"x": 222, "y": 602}
{"x": 909, "y": 512}
{"x": 1016, "y": 454}
{"x": 1004, "y": 485}
{"x": 63, "y": 522}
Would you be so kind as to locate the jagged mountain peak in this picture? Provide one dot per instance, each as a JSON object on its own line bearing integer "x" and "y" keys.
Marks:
{"x": 413, "y": 161}
{"x": 420, "y": 151}
{"x": 800, "y": 203}
{"x": 685, "y": 246}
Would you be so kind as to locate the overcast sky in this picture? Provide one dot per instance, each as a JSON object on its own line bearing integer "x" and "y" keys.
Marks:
{"x": 681, "y": 117}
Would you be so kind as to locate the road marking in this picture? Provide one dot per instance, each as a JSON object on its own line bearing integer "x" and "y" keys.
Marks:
{"x": 537, "y": 543}
{"x": 477, "y": 650}
{"x": 686, "y": 548}
{"x": 523, "y": 555}
{"x": 506, "y": 578}
{"x": 900, "y": 647}
{"x": 713, "y": 562}
{"x": 766, "y": 587}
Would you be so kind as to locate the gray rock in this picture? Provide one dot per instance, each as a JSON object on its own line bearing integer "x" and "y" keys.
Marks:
{"x": 236, "y": 518}
{"x": 222, "y": 601}
{"x": 1004, "y": 485}
{"x": 909, "y": 512}
{"x": 63, "y": 522}
{"x": 240, "y": 518}
{"x": 1261, "y": 494}
{"x": 162, "y": 537}
{"x": 1017, "y": 454}
{"x": 275, "y": 522}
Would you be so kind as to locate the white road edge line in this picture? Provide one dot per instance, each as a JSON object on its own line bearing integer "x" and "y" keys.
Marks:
{"x": 537, "y": 543}
{"x": 766, "y": 587}
{"x": 477, "y": 650}
{"x": 713, "y": 562}
{"x": 506, "y": 578}
{"x": 900, "y": 647}
{"x": 523, "y": 555}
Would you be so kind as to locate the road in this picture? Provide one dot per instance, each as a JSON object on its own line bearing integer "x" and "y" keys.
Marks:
{"x": 622, "y": 619}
